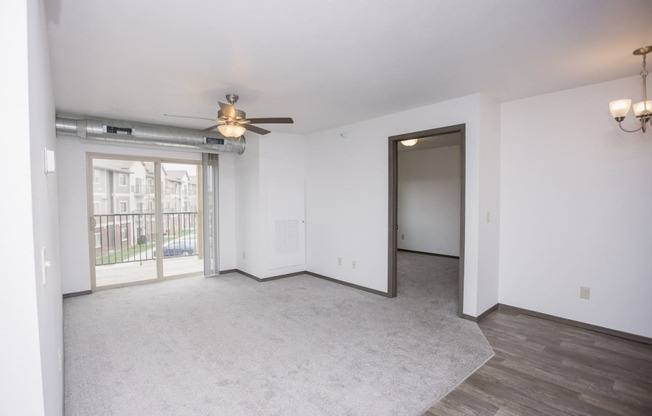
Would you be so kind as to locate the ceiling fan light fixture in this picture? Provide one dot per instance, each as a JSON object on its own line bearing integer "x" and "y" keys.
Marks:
{"x": 231, "y": 130}
{"x": 233, "y": 123}
{"x": 410, "y": 142}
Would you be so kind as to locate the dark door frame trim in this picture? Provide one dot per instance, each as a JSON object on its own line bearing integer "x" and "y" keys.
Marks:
{"x": 393, "y": 203}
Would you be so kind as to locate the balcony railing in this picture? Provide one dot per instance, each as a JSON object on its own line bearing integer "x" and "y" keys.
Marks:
{"x": 123, "y": 238}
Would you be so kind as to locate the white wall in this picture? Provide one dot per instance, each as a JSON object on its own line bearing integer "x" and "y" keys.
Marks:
{"x": 247, "y": 212}
{"x": 31, "y": 319}
{"x": 45, "y": 214}
{"x": 20, "y": 359}
{"x": 73, "y": 216}
{"x": 73, "y": 211}
{"x": 270, "y": 201}
{"x": 347, "y": 194}
{"x": 489, "y": 204}
{"x": 226, "y": 221}
{"x": 576, "y": 200}
{"x": 282, "y": 180}
{"x": 429, "y": 187}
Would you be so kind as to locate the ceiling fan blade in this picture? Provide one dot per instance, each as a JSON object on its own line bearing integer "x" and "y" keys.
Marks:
{"x": 198, "y": 118}
{"x": 255, "y": 129}
{"x": 227, "y": 109}
{"x": 211, "y": 128}
{"x": 272, "y": 120}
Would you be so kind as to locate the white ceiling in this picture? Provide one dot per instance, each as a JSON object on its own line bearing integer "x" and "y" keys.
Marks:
{"x": 333, "y": 62}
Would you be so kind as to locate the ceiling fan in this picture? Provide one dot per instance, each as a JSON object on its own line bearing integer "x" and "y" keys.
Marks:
{"x": 233, "y": 123}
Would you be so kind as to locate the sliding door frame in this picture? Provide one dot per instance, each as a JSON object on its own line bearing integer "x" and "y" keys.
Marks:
{"x": 211, "y": 243}
{"x": 158, "y": 191}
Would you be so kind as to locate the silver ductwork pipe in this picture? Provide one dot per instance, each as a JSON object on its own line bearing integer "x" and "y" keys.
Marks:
{"x": 125, "y": 132}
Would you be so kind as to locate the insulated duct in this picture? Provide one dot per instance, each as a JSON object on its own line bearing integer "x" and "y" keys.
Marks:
{"x": 174, "y": 138}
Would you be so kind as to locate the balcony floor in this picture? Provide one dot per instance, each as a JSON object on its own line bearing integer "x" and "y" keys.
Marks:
{"x": 122, "y": 273}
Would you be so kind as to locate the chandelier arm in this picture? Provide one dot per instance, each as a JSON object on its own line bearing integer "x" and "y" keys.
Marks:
{"x": 631, "y": 131}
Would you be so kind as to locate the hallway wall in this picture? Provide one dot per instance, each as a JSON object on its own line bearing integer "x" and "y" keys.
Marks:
{"x": 429, "y": 187}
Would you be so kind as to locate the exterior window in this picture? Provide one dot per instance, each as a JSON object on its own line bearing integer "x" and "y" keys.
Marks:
{"x": 123, "y": 207}
{"x": 96, "y": 176}
{"x": 98, "y": 240}
{"x": 123, "y": 233}
{"x": 122, "y": 178}
{"x": 139, "y": 186}
{"x": 96, "y": 208}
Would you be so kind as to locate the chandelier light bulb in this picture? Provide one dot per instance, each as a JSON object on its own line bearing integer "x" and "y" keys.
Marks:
{"x": 620, "y": 108}
{"x": 643, "y": 108}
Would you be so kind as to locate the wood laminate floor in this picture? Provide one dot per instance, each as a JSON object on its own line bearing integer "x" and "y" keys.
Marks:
{"x": 543, "y": 367}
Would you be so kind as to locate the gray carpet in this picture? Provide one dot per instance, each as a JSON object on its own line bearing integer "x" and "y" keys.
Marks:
{"x": 296, "y": 346}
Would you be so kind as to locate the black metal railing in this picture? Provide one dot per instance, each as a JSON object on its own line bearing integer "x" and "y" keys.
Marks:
{"x": 123, "y": 238}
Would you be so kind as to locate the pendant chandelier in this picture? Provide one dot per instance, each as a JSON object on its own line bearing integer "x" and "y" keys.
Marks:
{"x": 642, "y": 109}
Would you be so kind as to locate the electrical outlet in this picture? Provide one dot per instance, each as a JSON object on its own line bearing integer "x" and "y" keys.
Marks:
{"x": 353, "y": 264}
{"x": 585, "y": 292}
{"x": 402, "y": 236}
{"x": 339, "y": 261}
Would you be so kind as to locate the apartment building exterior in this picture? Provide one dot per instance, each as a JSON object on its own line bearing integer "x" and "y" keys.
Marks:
{"x": 124, "y": 205}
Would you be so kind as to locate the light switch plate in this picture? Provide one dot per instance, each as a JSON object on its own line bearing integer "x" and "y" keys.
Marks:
{"x": 49, "y": 161}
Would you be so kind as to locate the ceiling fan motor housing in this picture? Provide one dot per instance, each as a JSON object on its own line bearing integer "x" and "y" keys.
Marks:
{"x": 232, "y": 98}
{"x": 238, "y": 115}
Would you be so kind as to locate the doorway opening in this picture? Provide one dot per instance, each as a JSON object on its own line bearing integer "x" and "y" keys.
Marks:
{"x": 145, "y": 220}
{"x": 439, "y": 137}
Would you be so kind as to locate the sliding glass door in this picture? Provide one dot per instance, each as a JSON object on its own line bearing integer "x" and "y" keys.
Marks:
{"x": 182, "y": 220}
{"x": 146, "y": 222}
